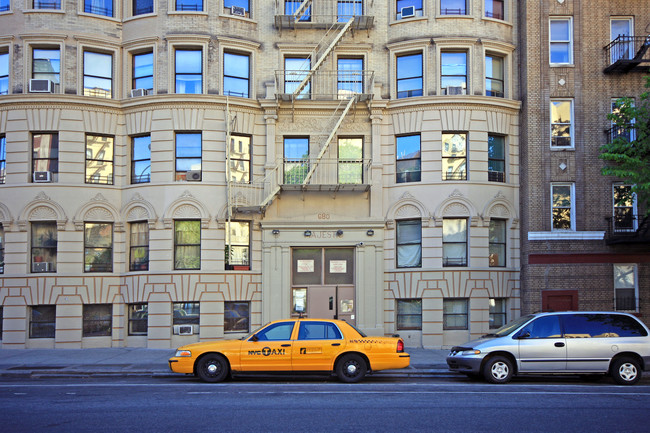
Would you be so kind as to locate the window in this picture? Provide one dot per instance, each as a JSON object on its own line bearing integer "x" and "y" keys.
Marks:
{"x": 99, "y": 7}
{"x": 42, "y": 321}
{"x": 97, "y": 320}
{"x": 453, "y": 73}
{"x": 561, "y": 41}
{"x": 45, "y": 154}
{"x": 3, "y": 158}
{"x": 276, "y": 332}
{"x": 497, "y": 247}
{"x": 98, "y": 247}
{"x": 621, "y": 28}
{"x": 349, "y": 77}
{"x": 624, "y": 201}
{"x": 626, "y": 288}
{"x": 5, "y": 5}
{"x": 238, "y": 3}
{"x": 350, "y": 162}
{"x": 409, "y": 244}
{"x": 138, "y": 319}
{"x": 498, "y": 316}
{"x": 44, "y": 246}
{"x": 543, "y": 327}
{"x": 141, "y": 7}
{"x": 454, "y": 156}
{"x": 2, "y": 249}
{"x": 319, "y": 331}
{"x": 454, "y": 314}
{"x": 291, "y": 6}
{"x": 240, "y": 158}
{"x": 188, "y": 156}
{"x": 494, "y": 9}
{"x": 2, "y": 317}
{"x": 295, "y": 72}
{"x": 46, "y": 64}
{"x": 416, "y": 10}
{"x": 98, "y": 75}
{"x": 626, "y": 131}
{"x": 496, "y": 158}
{"x": 187, "y": 244}
{"x": 47, "y": 4}
{"x": 601, "y": 326}
{"x": 237, "y": 245}
{"x": 186, "y": 313}
{"x": 4, "y": 73}
{"x": 139, "y": 246}
{"x": 562, "y": 202}
{"x": 408, "y": 158}
{"x": 141, "y": 159}
{"x": 409, "y": 314}
{"x": 453, "y": 7}
{"x": 143, "y": 71}
{"x": 296, "y": 159}
{"x": 561, "y": 123}
{"x": 494, "y": 76}
{"x": 409, "y": 76}
{"x": 348, "y": 9}
{"x": 454, "y": 242}
{"x": 236, "y": 316}
{"x": 236, "y": 74}
{"x": 189, "y": 71}
{"x": 189, "y": 5}
{"x": 299, "y": 301}
{"x": 99, "y": 159}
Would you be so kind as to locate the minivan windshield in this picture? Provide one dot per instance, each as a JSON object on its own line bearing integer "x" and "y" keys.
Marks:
{"x": 509, "y": 327}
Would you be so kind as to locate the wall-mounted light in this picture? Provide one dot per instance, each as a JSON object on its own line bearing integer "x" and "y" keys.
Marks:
{"x": 276, "y": 232}
{"x": 370, "y": 232}
{"x": 339, "y": 232}
{"x": 307, "y": 233}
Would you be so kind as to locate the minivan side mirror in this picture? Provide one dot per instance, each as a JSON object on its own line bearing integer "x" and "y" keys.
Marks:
{"x": 522, "y": 335}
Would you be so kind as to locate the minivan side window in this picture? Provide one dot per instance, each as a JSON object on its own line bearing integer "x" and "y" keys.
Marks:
{"x": 543, "y": 327}
{"x": 601, "y": 326}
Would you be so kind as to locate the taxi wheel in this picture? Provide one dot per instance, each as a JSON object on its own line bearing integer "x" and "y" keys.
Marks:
{"x": 351, "y": 368}
{"x": 212, "y": 368}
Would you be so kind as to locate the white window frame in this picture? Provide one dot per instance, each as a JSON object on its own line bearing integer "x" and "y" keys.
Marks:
{"x": 629, "y": 54}
{"x": 635, "y": 271}
{"x": 571, "y": 123}
{"x": 569, "y": 41}
{"x": 572, "y": 208}
{"x": 634, "y": 207}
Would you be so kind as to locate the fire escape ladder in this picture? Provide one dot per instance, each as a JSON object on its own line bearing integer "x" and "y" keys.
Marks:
{"x": 302, "y": 9}
{"x": 322, "y": 55}
{"x": 329, "y": 139}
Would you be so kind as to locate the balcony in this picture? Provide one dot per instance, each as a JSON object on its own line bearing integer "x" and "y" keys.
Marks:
{"x": 626, "y": 228}
{"x": 628, "y": 132}
{"x": 325, "y": 85}
{"x": 321, "y": 14}
{"x": 628, "y": 54}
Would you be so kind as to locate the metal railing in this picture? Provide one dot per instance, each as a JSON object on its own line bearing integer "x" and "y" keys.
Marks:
{"x": 315, "y": 12}
{"x": 628, "y": 132}
{"x": 626, "y": 52}
{"x": 325, "y": 85}
{"x": 326, "y": 171}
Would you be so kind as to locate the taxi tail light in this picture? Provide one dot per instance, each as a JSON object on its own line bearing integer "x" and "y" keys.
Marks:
{"x": 400, "y": 346}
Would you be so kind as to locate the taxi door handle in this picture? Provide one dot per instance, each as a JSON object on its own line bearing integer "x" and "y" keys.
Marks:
{"x": 559, "y": 344}
{"x": 336, "y": 344}
{"x": 285, "y": 345}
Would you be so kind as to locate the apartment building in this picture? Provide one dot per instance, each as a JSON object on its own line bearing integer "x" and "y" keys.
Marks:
{"x": 584, "y": 246}
{"x": 179, "y": 171}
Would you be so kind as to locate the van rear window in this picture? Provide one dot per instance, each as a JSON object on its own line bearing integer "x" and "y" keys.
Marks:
{"x": 601, "y": 326}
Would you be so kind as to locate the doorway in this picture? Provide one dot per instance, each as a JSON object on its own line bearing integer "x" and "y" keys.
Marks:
{"x": 323, "y": 283}
{"x": 559, "y": 300}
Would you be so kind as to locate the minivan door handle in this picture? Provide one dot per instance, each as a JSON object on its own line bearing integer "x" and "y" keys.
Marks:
{"x": 559, "y": 344}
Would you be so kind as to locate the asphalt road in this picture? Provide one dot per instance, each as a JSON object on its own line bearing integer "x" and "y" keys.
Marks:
{"x": 316, "y": 405}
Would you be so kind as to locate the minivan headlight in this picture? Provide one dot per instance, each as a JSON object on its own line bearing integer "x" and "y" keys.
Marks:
{"x": 471, "y": 352}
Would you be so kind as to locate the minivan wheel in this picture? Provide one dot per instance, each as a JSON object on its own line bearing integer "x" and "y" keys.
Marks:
{"x": 498, "y": 370}
{"x": 626, "y": 371}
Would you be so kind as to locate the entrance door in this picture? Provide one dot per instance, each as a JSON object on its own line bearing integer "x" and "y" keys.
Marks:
{"x": 331, "y": 302}
{"x": 559, "y": 300}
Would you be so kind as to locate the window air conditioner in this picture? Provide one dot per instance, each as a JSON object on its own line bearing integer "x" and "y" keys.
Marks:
{"x": 237, "y": 10}
{"x": 407, "y": 12}
{"x": 42, "y": 176}
{"x": 193, "y": 176}
{"x": 42, "y": 267}
{"x": 139, "y": 92}
{"x": 41, "y": 86}
{"x": 454, "y": 90}
{"x": 186, "y": 329}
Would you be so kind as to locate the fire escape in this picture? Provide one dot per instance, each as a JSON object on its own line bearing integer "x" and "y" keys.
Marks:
{"x": 314, "y": 80}
{"x": 628, "y": 54}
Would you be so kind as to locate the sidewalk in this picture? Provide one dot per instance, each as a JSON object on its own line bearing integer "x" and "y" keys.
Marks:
{"x": 130, "y": 361}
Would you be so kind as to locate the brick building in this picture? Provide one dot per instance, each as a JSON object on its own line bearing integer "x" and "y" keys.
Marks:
{"x": 176, "y": 171}
{"x": 582, "y": 247}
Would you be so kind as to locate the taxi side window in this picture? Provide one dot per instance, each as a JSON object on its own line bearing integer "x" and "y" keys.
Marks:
{"x": 318, "y": 331}
{"x": 544, "y": 327}
{"x": 276, "y": 332}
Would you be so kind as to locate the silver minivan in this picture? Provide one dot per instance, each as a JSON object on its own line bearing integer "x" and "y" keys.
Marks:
{"x": 574, "y": 342}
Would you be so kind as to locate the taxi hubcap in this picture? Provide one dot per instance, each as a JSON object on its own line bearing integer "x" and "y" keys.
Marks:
{"x": 212, "y": 368}
{"x": 352, "y": 369}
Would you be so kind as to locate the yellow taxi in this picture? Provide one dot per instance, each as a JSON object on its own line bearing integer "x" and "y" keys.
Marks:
{"x": 294, "y": 346}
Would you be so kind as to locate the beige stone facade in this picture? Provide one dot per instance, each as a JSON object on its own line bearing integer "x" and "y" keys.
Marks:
{"x": 345, "y": 242}
{"x": 577, "y": 260}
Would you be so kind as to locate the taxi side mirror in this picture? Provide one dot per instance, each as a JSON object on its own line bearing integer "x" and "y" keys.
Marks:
{"x": 255, "y": 337}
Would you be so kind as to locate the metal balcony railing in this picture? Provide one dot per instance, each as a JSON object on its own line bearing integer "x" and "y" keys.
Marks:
{"x": 325, "y": 85}
{"x": 321, "y": 14}
{"x": 627, "y": 228}
{"x": 628, "y": 132}
{"x": 327, "y": 172}
{"x": 628, "y": 54}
